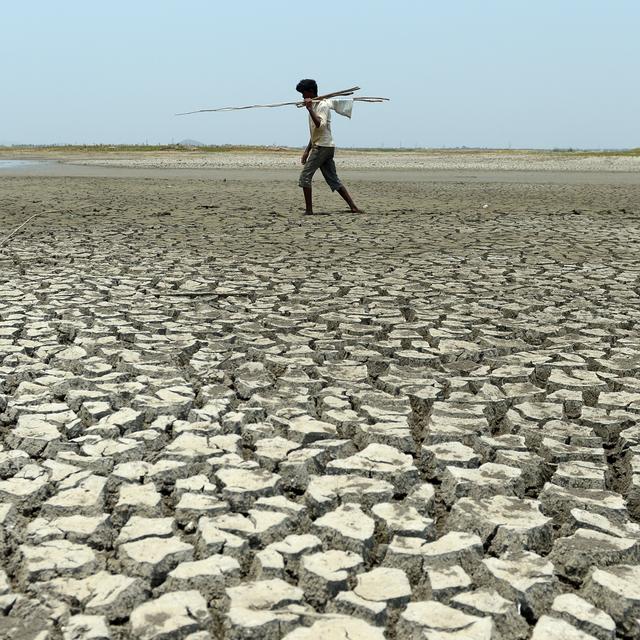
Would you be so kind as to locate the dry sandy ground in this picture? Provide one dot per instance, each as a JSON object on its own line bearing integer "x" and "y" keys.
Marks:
{"x": 223, "y": 419}
{"x": 424, "y": 160}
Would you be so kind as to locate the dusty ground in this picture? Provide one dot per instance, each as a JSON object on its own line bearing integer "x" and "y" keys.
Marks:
{"x": 224, "y": 419}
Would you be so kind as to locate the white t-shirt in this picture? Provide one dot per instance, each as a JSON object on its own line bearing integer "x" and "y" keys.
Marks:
{"x": 321, "y": 136}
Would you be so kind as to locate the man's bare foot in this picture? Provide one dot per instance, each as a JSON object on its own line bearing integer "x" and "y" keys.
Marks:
{"x": 356, "y": 210}
{"x": 308, "y": 213}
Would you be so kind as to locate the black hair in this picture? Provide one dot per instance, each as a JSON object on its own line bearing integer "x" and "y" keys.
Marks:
{"x": 307, "y": 85}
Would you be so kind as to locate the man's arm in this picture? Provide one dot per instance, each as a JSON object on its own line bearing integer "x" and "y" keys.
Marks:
{"x": 308, "y": 102}
{"x": 306, "y": 153}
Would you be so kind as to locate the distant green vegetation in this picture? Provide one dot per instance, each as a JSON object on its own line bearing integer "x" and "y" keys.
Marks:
{"x": 601, "y": 152}
{"x": 230, "y": 148}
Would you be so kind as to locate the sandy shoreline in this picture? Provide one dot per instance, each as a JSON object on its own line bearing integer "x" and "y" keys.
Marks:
{"x": 389, "y": 161}
{"x": 439, "y": 160}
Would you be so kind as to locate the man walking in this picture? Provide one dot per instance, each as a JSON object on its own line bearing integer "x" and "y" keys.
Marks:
{"x": 321, "y": 148}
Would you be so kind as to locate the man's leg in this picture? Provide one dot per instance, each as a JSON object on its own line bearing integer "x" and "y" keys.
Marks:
{"x": 347, "y": 198}
{"x": 308, "y": 199}
{"x": 330, "y": 174}
{"x": 306, "y": 176}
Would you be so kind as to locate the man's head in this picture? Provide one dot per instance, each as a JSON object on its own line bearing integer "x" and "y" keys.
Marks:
{"x": 308, "y": 88}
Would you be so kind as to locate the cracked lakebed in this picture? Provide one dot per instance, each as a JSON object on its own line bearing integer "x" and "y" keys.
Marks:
{"x": 238, "y": 421}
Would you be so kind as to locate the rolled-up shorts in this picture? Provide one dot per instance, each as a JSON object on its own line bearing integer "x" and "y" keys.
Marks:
{"x": 320, "y": 158}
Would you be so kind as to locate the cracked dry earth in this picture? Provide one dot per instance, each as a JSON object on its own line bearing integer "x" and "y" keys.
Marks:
{"x": 220, "y": 419}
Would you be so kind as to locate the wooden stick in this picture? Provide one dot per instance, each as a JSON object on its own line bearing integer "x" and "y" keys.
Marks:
{"x": 283, "y": 104}
{"x": 356, "y": 98}
{"x": 35, "y": 215}
{"x": 13, "y": 233}
{"x": 299, "y": 103}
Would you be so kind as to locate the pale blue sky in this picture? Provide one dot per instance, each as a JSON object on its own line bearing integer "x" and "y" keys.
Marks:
{"x": 497, "y": 73}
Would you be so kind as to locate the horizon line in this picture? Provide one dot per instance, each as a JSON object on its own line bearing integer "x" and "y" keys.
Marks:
{"x": 195, "y": 146}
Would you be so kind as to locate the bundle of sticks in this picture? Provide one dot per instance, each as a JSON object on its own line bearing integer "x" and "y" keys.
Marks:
{"x": 299, "y": 103}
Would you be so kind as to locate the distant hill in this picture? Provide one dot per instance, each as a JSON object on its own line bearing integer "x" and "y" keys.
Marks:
{"x": 191, "y": 143}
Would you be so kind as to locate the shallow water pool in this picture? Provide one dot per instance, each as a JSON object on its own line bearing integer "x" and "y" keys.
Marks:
{"x": 17, "y": 164}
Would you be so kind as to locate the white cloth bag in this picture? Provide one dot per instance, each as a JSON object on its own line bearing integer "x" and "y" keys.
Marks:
{"x": 343, "y": 106}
